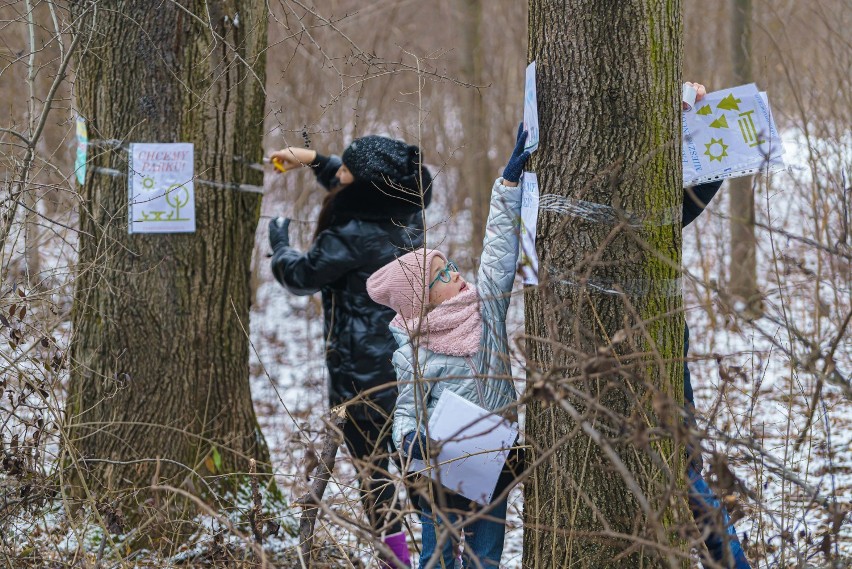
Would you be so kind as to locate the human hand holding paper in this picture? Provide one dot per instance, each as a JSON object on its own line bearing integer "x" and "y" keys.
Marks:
{"x": 473, "y": 447}
{"x": 413, "y": 446}
{"x": 692, "y": 93}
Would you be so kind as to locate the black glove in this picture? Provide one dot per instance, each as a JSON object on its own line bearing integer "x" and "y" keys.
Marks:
{"x": 515, "y": 168}
{"x": 279, "y": 232}
{"x": 412, "y": 446}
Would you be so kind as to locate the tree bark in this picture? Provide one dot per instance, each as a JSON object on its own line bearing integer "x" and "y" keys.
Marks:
{"x": 160, "y": 356}
{"x": 605, "y": 327}
{"x": 743, "y": 268}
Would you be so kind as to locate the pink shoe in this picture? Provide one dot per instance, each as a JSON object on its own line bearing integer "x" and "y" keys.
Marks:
{"x": 397, "y": 543}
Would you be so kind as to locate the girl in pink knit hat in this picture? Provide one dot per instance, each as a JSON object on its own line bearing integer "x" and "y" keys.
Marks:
{"x": 452, "y": 337}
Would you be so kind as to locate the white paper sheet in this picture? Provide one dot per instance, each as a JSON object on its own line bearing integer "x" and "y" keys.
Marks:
{"x": 531, "y": 109}
{"x": 474, "y": 447}
{"x": 730, "y": 133}
{"x": 529, "y": 218}
{"x": 161, "y": 192}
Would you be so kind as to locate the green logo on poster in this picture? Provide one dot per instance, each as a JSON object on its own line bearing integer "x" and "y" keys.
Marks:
{"x": 722, "y": 152}
{"x": 721, "y": 122}
{"x": 177, "y": 196}
{"x": 730, "y": 103}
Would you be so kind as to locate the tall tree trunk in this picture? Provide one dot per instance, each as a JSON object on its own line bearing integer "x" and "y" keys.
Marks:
{"x": 32, "y": 246}
{"x": 743, "y": 269}
{"x": 476, "y": 172}
{"x": 605, "y": 326}
{"x": 160, "y": 352}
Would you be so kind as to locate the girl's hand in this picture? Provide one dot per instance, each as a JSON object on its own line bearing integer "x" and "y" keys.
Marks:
{"x": 412, "y": 446}
{"x": 293, "y": 157}
{"x": 515, "y": 167}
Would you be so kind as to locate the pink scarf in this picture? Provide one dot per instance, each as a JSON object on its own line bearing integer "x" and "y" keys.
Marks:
{"x": 454, "y": 327}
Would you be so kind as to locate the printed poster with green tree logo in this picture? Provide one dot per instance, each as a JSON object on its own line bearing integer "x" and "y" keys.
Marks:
{"x": 161, "y": 192}
{"x": 728, "y": 134}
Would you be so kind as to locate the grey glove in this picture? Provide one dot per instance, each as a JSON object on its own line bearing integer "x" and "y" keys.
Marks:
{"x": 279, "y": 232}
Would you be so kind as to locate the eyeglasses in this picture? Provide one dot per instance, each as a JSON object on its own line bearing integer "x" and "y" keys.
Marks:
{"x": 444, "y": 274}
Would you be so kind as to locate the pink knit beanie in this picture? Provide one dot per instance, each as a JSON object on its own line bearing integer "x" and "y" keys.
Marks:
{"x": 403, "y": 283}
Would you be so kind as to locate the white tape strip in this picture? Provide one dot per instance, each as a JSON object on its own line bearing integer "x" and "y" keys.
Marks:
{"x": 633, "y": 287}
{"x": 221, "y": 185}
{"x": 600, "y": 213}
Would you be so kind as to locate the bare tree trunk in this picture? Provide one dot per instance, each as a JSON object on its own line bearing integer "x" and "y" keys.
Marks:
{"x": 160, "y": 352}
{"x": 32, "y": 237}
{"x": 606, "y": 372}
{"x": 477, "y": 172}
{"x": 743, "y": 269}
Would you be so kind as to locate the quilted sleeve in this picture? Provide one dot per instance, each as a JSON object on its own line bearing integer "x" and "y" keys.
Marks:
{"x": 411, "y": 401}
{"x": 499, "y": 258}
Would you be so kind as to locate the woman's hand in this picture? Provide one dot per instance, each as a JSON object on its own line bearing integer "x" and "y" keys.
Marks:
{"x": 293, "y": 157}
{"x": 279, "y": 232}
{"x": 515, "y": 167}
{"x": 700, "y": 91}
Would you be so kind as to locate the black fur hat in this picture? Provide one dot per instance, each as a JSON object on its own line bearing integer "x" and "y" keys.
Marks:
{"x": 388, "y": 177}
{"x": 378, "y": 158}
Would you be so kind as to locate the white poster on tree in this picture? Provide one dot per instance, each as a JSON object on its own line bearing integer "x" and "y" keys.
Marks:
{"x": 529, "y": 218}
{"x": 531, "y": 109}
{"x": 82, "y": 149}
{"x": 161, "y": 192}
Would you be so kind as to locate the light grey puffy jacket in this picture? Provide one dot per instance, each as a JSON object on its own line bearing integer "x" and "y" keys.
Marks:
{"x": 485, "y": 377}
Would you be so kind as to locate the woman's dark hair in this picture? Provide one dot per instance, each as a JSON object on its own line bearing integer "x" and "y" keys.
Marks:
{"x": 326, "y": 214}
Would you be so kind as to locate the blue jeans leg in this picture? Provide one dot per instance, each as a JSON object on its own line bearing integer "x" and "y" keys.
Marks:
{"x": 711, "y": 517}
{"x": 483, "y": 539}
{"x": 431, "y": 530}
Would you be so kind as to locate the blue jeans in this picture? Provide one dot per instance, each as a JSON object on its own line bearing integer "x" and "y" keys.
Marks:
{"x": 709, "y": 514}
{"x": 483, "y": 538}
{"x": 711, "y": 517}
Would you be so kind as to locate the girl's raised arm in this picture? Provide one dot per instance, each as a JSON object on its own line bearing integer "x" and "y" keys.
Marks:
{"x": 499, "y": 258}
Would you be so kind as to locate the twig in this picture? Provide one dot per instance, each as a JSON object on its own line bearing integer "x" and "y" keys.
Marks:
{"x": 310, "y": 501}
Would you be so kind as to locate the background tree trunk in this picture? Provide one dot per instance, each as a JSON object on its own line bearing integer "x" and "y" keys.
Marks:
{"x": 160, "y": 352}
{"x": 32, "y": 243}
{"x": 743, "y": 269}
{"x": 606, "y": 370}
{"x": 476, "y": 170}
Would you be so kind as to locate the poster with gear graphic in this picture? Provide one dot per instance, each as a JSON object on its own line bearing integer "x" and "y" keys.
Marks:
{"x": 728, "y": 134}
{"x": 161, "y": 192}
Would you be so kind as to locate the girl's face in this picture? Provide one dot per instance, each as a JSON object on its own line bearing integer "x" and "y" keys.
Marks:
{"x": 440, "y": 290}
{"x": 344, "y": 175}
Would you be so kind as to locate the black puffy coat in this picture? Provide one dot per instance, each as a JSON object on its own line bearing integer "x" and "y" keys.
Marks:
{"x": 368, "y": 229}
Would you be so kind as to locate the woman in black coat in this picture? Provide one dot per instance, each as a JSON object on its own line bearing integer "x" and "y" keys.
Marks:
{"x": 372, "y": 214}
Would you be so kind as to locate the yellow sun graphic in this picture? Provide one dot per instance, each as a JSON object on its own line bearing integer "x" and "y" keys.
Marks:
{"x": 721, "y": 154}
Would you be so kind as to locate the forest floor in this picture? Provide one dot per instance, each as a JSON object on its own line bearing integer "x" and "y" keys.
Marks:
{"x": 785, "y": 431}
